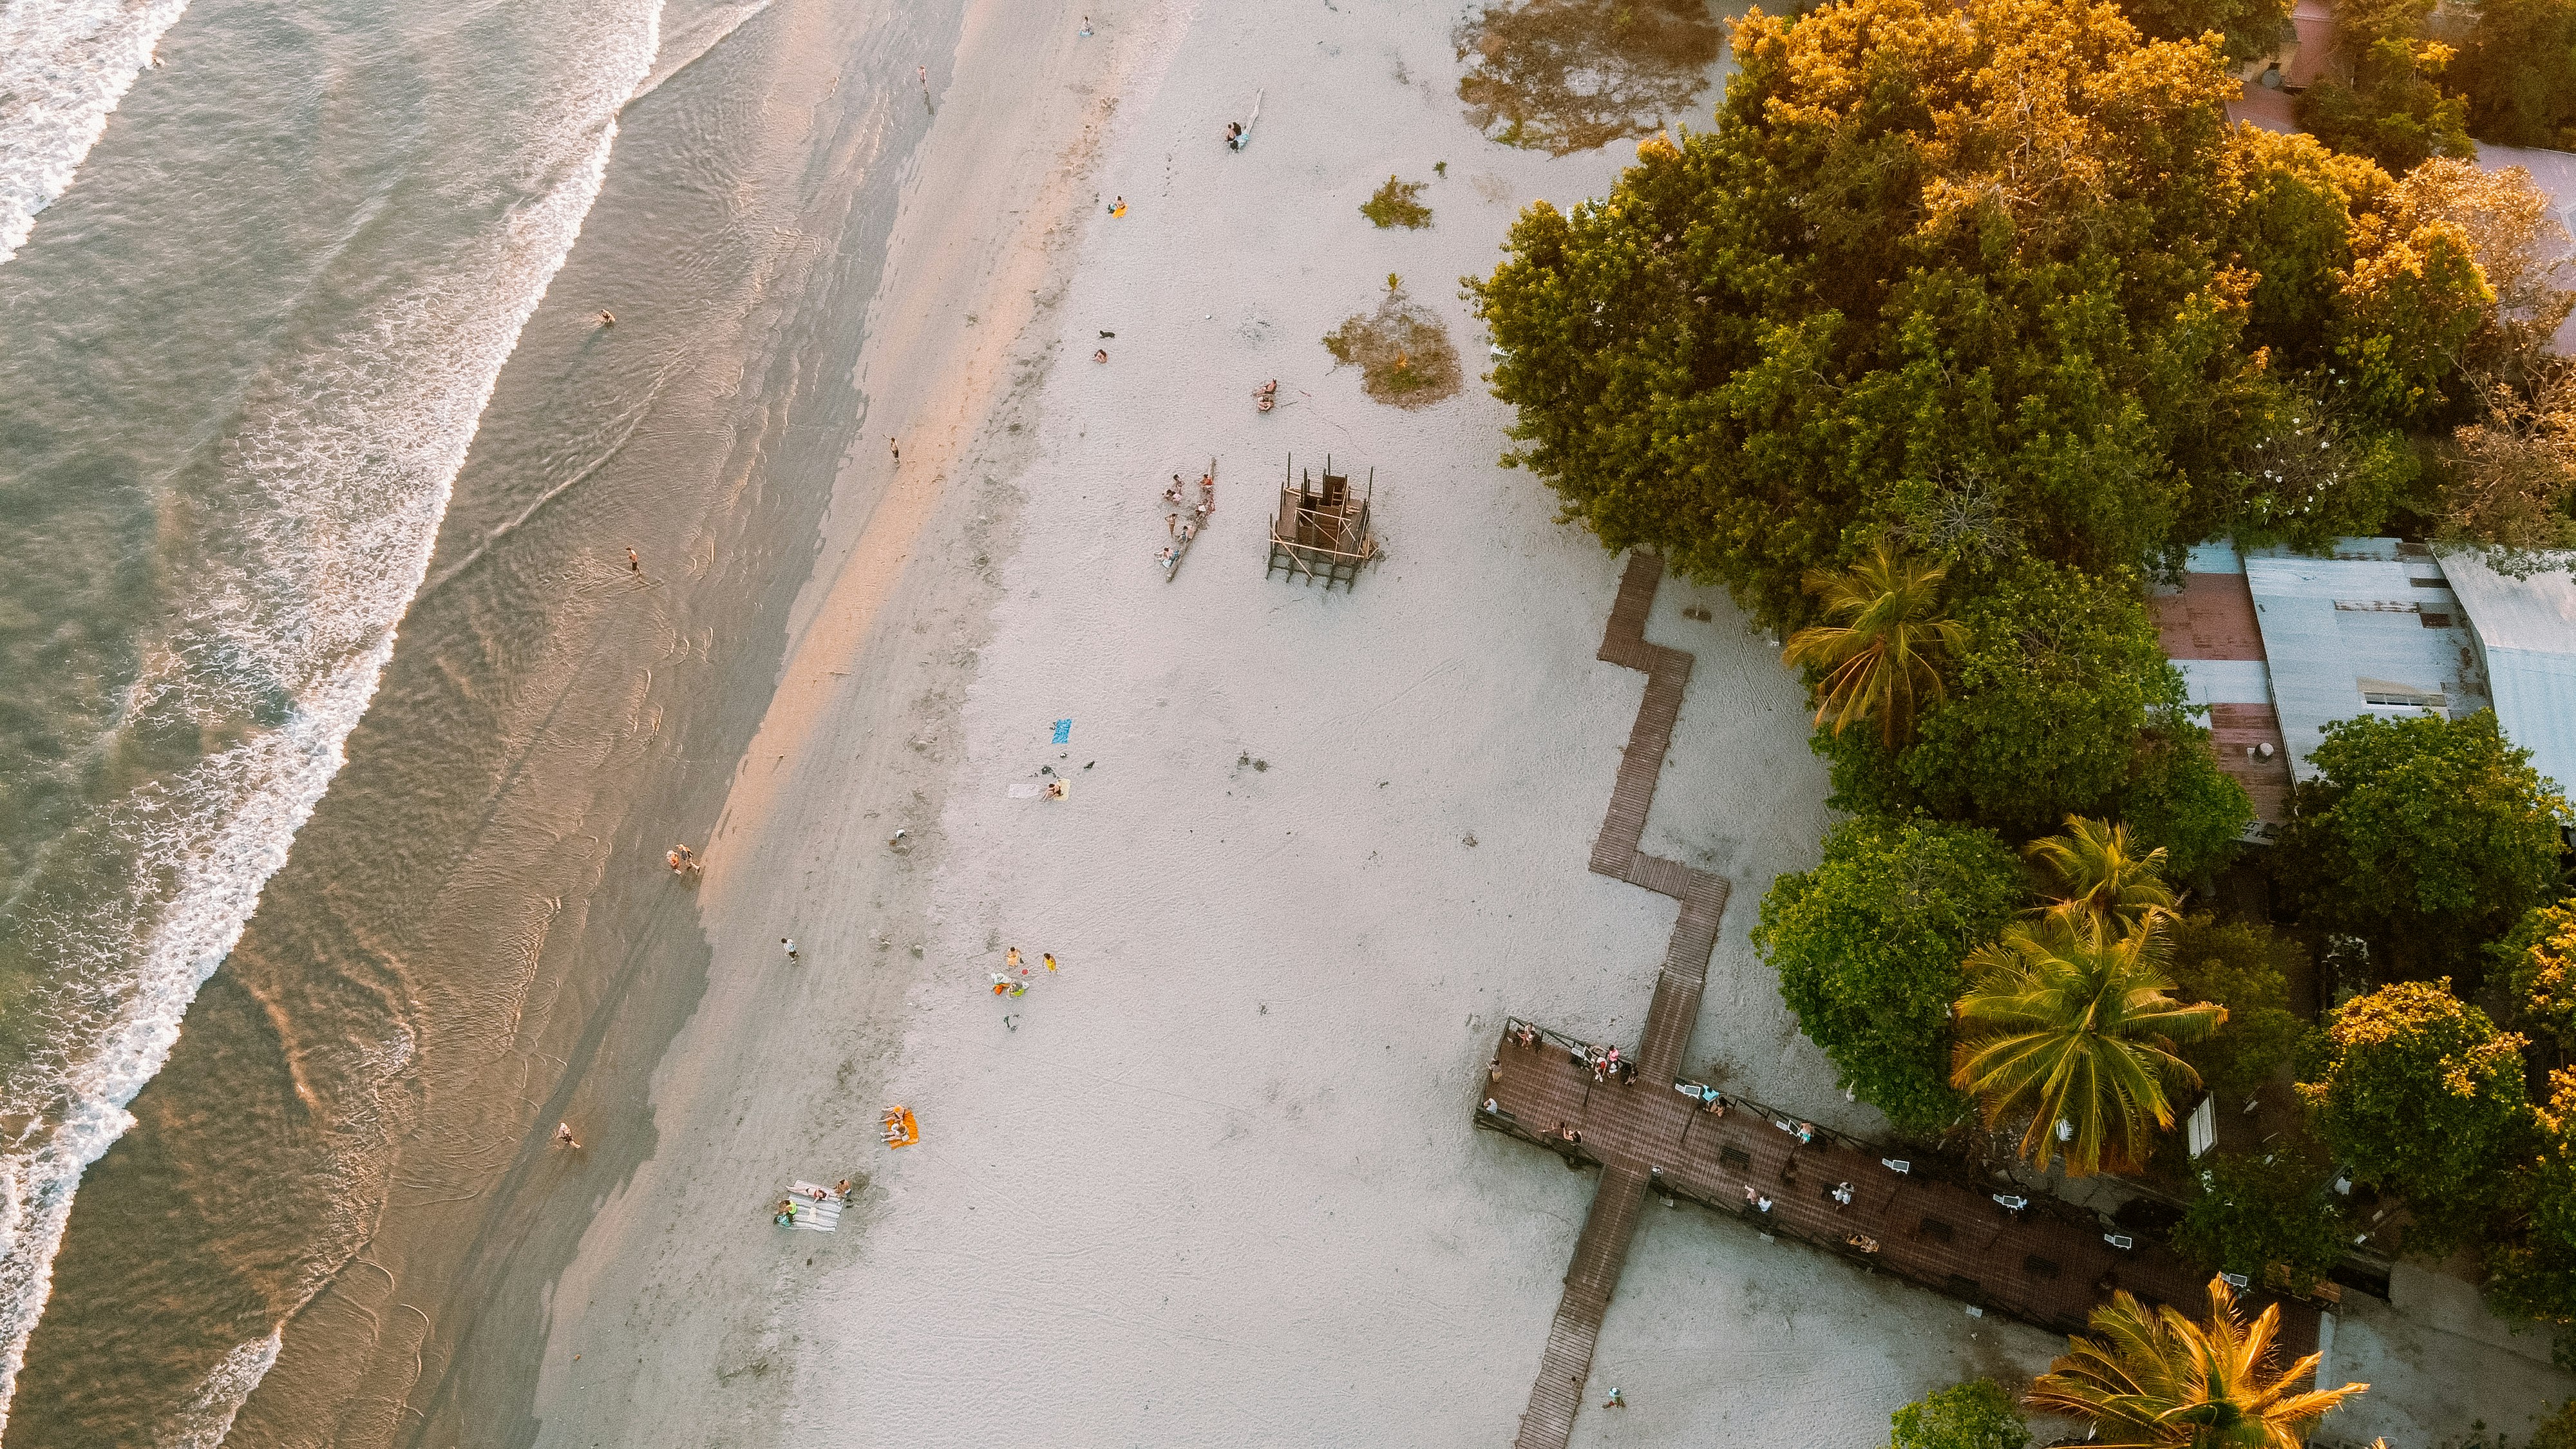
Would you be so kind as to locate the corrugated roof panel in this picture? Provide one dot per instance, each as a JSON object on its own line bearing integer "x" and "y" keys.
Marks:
{"x": 2527, "y": 631}
{"x": 2360, "y": 635}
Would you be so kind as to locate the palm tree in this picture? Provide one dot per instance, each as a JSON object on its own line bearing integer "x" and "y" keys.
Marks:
{"x": 1877, "y": 656}
{"x": 2158, "y": 1380}
{"x": 2094, "y": 869}
{"x": 2072, "y": 1025}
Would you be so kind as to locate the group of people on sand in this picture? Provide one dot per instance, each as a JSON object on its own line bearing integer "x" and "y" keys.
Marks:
{"x": 1182, "y": 530}
{"x": 683, "y": 861}
{"x": 788, "y": 1207}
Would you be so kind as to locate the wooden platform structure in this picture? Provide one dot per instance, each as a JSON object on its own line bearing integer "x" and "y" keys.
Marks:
{"x": 2047, "y": 1262}
{"x": 1322, "y": 528}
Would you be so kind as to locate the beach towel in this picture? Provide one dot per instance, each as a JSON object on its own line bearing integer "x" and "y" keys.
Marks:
{"x": 812, "y": 1216}
{"x": 1063, "y": 731}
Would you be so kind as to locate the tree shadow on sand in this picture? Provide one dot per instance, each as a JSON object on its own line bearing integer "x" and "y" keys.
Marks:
{"x": 1568, "y": 75}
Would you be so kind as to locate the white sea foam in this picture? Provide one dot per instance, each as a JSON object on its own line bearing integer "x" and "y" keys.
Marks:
{"x": 354, "y": 451}
{"x": 209, "y": 1414}
{"x": 64, "y": 64}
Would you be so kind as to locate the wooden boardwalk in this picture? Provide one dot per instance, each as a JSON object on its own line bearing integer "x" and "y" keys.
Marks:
{"x": 2047, "y": 1263}
{"x": 1603, "y": 1249}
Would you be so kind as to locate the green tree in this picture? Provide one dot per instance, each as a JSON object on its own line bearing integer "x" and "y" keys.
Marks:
{"x": 1975, "y": 1415}
{"x": 2286, "y": 221}
{"x": 2066, "y": 1024}
{"x": 2244, "y": 966}
{"x": 2533, "y": 1274}
{"x": 2252, "y": 27}
{"x": 2156, "y": 1378}
{"x": 2539, "y": 961}
{"x": 2427, "y": 837}
{"x": 2519, "y": 70}
{"x": 2179, "y": 800}
{"x": 2417, "y": 1092}
{"x": 2394, "y": 109}
{"x": 2061, "y": 673}
{"x": 1868, "y": 946}
{"x": 1876, "y": 656}
{"x": 2255, "y": 1214}
{"x": 2094, "y": 870}
{"x": 1950, "y": 272}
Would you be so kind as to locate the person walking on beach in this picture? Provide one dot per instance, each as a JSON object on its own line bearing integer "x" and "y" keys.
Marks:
{"x": 898, "y": 451}
{"x": 925, "y": 81}
{"x": 1049, "y": 958}
{"x": 634, "y": 564}
{"x": 563, "y": 1136}
{"x": 1616, "y": 1400}
{"x": 789, "y": 946}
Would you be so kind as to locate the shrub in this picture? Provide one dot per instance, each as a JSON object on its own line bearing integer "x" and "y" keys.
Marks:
{"x": 1975, "y": 1415}
{"x": 1398, "y": 203}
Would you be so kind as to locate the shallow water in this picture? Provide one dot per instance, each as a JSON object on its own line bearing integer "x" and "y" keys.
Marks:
{"x": 248, "y": 347}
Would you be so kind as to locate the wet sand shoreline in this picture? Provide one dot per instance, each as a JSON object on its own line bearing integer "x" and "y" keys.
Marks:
{"x": 474, "y": 937}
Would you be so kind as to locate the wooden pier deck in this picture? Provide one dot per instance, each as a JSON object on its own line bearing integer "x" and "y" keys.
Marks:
{"x": 2048, "y": 1263}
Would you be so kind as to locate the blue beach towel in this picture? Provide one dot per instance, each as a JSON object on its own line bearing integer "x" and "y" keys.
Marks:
{"x": 1063, "y": 731}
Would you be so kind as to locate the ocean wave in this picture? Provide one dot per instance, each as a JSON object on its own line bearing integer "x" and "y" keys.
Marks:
{"x": 209, "y": 1414}
{"x": 64, "y": 64}
{"x": 350, "y": 454}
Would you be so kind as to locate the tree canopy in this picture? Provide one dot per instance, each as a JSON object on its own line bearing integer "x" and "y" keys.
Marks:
{"x": 2067, "y": 1028}
{"x": 2394, "y": 109}
{"x": 1875, "y": 656}
{"x": 1991, "y": 279}
{"x": 2153, "y": 1376}
{"x": 2245, "y": 967}
{"x": 2427, "y": 837}
{"x": 1868, "y": 946}
{"x": 2253, "y": 1214}
{"x": 2519, "y": 71}
{"x": 2416, "y": 1091}
{"x": 2534, "y": 1275}
{"x": 2252, "y": 27}
{"x": 2539, "y": 961}
{"x": 1941, "y": 270}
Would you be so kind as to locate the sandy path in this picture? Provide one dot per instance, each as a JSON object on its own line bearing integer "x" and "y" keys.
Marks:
{"x": 1218, "y": 1187}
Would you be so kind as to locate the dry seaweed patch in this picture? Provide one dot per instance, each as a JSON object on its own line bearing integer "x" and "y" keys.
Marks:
{"x": 1398, "y": 203}
{"x": 1403, "y": 352}
{"x": 1568, "y": 75}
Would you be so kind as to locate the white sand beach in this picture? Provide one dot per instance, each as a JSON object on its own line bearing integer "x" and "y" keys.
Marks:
{"x": 1216, "y": 1182}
